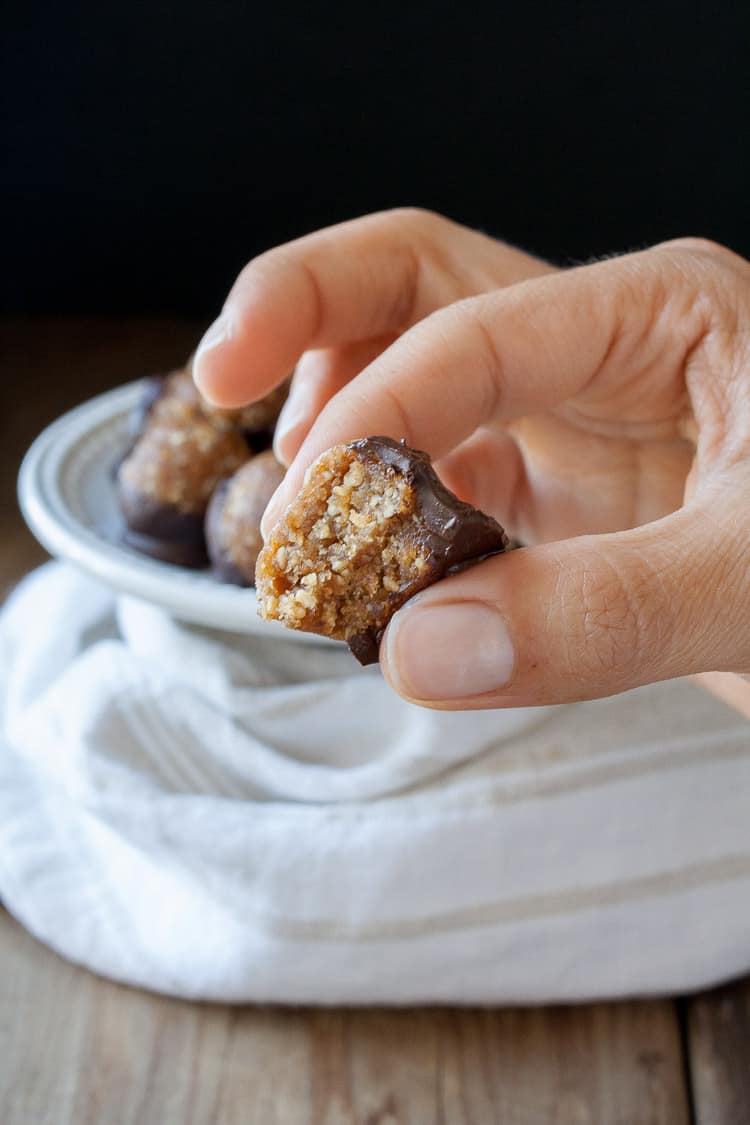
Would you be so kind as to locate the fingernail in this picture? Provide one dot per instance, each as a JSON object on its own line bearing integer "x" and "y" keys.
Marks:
{"x": 448, "y": 651}
{"x": 213, "y": 337}
{"x": 294, "y": 411}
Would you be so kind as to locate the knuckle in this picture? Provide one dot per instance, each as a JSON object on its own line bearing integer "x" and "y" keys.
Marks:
{"x": 708, "y": 254}
{"x": 697, "y": 245}
{"x": 247, "y": 275}
{"x": 461, "y": 330}
{"x": 265, "y": 265}
{"x": 286, "y": 265}
{"x": 414, "y": 218}
{"x": 613, "y": 622}
{"x": 399, "y": 307}
{"x": 610, "y": 622}
{"x": 696, "y": 294}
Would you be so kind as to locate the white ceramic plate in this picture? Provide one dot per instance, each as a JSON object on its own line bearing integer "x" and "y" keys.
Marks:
{"x": 67, "y": 496}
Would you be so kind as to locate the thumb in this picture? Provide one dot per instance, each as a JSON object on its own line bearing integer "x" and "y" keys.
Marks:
{"x": 573, "y": 620}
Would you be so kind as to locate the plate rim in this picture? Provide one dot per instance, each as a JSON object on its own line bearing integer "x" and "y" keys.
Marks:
{"x": 52, "y": 521}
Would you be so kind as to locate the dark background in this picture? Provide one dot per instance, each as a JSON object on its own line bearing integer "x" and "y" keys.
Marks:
{"x": 149, "y": 150}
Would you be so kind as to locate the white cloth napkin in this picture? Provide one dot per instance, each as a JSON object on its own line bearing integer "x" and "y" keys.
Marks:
{"x": 247, "y": 819}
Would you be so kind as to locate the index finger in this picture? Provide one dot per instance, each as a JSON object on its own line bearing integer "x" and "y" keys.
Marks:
{"x": 526, "y": 348}
{"x": 351, "y": 282}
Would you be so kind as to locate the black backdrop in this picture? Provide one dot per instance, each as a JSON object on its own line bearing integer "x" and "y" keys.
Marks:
{"x": 150, "y": 149}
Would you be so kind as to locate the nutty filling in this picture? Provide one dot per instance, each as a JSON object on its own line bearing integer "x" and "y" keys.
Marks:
{"x": 348, "y": 552}
{"x": 182, "y": 453}
{"x": 233, "y": 528}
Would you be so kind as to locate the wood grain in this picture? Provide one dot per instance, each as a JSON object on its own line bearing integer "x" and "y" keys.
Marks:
{"x": 76, "y": 1050}
{"x": 718, "y": 1030}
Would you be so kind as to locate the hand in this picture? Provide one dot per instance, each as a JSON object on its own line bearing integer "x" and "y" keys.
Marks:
{"x": 601, "y": 413}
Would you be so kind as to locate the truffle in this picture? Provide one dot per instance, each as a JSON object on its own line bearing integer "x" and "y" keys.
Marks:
{"x": 166, "y": 478}
{"x": 256, "y": 420}
{"x": 233, "y": 519}
{"x": 372, "y": 525}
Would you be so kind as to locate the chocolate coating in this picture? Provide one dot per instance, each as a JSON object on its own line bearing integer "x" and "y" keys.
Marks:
{"x": 192, "y": 555}
{"x": 178, "y": 452}
{"x": 178, "y": 446}
{"x": 162, "y": 531}
{"x": 456, "y": 533}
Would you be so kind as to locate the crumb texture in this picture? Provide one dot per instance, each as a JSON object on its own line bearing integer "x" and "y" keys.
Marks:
{"x": 255, "y": 418}
{"x": 233, "y": 521}
{"x": 349, "y": 551}
{"x": 262, "y": 415}
{"x": 182, "y": 451}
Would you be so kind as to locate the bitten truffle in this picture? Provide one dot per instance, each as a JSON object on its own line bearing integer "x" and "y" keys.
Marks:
{"x": 371, "y": 526}
{"x": 256, "y": 421}
{"x": 176, "y": 460}
{"x": 233, "y": 519}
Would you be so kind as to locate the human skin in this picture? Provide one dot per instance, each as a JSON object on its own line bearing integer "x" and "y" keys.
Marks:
{"x": 601, "y": 413}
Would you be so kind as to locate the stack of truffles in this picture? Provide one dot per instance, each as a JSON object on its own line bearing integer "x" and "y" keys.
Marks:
{"x": 196, "y": 480}
{"x": 371, "y": 526}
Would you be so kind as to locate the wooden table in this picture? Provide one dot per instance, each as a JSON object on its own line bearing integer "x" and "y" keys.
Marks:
{"x": 76, "y": 1050}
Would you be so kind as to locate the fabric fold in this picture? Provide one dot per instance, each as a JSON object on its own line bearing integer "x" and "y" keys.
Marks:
{"x": 243, "y": 818}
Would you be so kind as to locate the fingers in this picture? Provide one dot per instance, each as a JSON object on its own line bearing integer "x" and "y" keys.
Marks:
{"x": 615, "y": 333}
{"x": 577, "y": 619}
{"x": 319, "y": 375}
{"x": 350, "y": 282}
{"x": 487, "y": 470}
{"x": 732, "y": 689}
